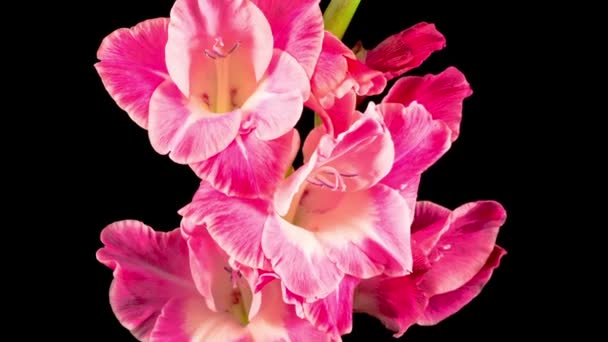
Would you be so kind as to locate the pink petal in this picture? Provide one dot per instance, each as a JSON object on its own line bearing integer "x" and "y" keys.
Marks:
{"x": 405, "y": 50}
{"x": 365, "y": 233}
{"x": 442, "y": 95}
{"x": 250, "y": 167}
{"x": 360, "y": 157}
{"x": 464, "y": 247}
{"x": 339, "y": 71}
{"x": 133, "y": 65}
{"x": 297, "y": 28}
{"x": 149, "y": 267}
{"x": 276, "y": 105}
{"x": 292, "y": 186}
{"x": 419, "y": 141}
{"x": 196, "y": 24}
{"x": 430, "y": 223}
{"x": 397, "y": 302}
{"x": 340, "y": 116}
{"x": 208, "y": 265}
{"x": 188, "y": 319}
{"x": 334, "y": 313}
{"x": 444, "y": 305}
{"x": 177, "y": 127}
{"x": 299, "y": 259}
{"x": 277, "y": 321}
{"x": 234, "y": 223}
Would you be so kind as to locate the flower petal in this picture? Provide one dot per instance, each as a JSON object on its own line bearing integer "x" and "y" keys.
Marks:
{"x": 365, "y": 233}
{"x": 397, "y": 302}
{"x": 442, "y": 95}
{"x": 299, "y": 259}
{"x": 149, "y": 267}
{"x": 405, "y": 50}
{"x": 464, "y": 247}
{"x": 444, "y": 305}
{"x": 277, "y": 321}
{"x": 276, "y": 105}
{"x": 297, "y": 28}
{"x": 339, "y": 71}
{"x": 250, "y": 167}
{"x": 361, "y": 156}
{"x": 196, "y": 24}
{"x": 188, "y": 134}
{"x": 419, "y": 141}
{"x": 132, "y": 65}
{"x": 188, "y": 319}
{"x": 334, "y": 313}
{"x": 208, "y": 264}
{"x": 234, "y": 223}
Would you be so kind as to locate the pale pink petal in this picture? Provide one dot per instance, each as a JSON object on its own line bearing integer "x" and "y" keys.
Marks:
{"x": 277, "y": 321}
{"x": 339, "y": 71}
{"x": 340, "y": 116}
{"x": 312, "y": 141}
{"x": 464, "y": 247}
{"x": 299, "y": 259}
{"x": 397, "y": 302}
{"x": 297, "y": 28}
{"x": 287, "y": 190}
{"x": 188, "y": 319}
{"x": 236, "y": 224}
{"x": 132, "y": 65}
{"x": 365, "y": 233}
{"x": 419, "y": 141}
{"x": 444, "y": 305}
{"x": 177, "y": 127}
{"x": 405, "y": 50}
{"x": 208, "y": 264}
{"x": 357, "y": 159}
{"x": 149, "y": 267}
{"x": 442, "y": 95}
{"x": 250, "y": 167}
{"x": 237, "y": 28}
{"x": 276, "y": 105}
{"x": 334, "y": 313}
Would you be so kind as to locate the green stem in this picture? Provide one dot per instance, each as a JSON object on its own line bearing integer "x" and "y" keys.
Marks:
{"x": 338, "y": 15}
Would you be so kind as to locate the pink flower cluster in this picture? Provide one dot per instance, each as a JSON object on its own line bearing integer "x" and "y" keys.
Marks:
{"x": 265, "y": 252}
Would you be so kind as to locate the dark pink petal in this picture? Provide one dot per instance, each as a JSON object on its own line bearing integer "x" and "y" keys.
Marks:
{"x": 419, "y": 141}
{"x": 442, "y": 95}
{"x": 133, "y": 65}
{"x": 430, "y": 222}
{"x": 464, "y": 247}
{"x": 199, "y": 27}
{"x": 397, "y": 302}
{"x": 444, "y": 305}
{"x": 177, "y": 126}
{"x": 405, "y": 50}
{"x": 297, "y": 28}
{"x": 365, "y": 233}
{"x": 276, "y": 105}
{"x": 188, "y": 319}
{"x": 234, "y": 223}
{"x": 150, "y": 268}
{"x": 250, "y": 167}
{"x": 334, "y": 313}
{"x": 299, "y": 259}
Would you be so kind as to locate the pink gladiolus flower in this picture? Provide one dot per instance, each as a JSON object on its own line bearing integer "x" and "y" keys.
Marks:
{"x": 455, "y": 253}
{"x": 218, "y": 75}
{"x": 170, "y": 288}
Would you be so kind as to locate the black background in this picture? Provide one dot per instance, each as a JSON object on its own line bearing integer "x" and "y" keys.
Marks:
{"x": 111, "y": 172}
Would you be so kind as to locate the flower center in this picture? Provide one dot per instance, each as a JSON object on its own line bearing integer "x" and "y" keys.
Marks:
{"x": 224, "y": 93}
{"x": 240, "y": 297}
